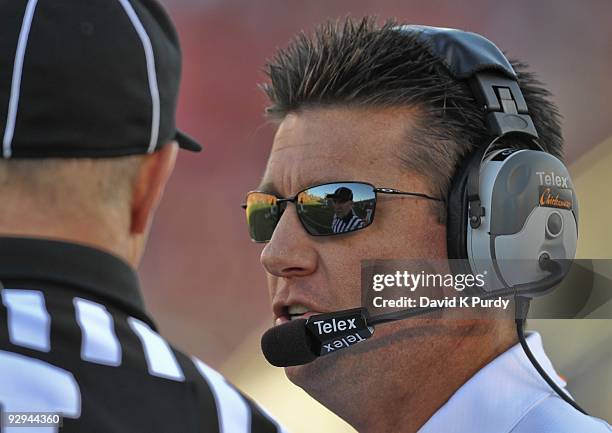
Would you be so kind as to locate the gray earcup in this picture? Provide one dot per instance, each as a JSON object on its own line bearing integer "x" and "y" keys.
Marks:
{"x": 530, "y": 211}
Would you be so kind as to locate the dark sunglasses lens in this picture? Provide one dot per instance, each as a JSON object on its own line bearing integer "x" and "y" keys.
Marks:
{"x": 262, "y": 213}
{"x": 336, "y": 208}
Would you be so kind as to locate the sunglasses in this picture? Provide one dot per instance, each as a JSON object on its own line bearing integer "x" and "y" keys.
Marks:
{"x": 324, "y": 210}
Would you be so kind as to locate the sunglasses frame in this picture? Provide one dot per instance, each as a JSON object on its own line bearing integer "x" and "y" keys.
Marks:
{"x": 376, "y": 190}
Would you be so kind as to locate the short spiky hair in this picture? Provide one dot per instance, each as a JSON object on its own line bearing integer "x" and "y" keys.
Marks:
{"x": 359, "y": 64}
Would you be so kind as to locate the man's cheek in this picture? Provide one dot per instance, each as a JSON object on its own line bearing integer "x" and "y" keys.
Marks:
{"x": 346, "y": 281}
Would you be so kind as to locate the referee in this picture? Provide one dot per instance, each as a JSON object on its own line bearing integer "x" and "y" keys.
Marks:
{"x": 345, "y": 219}
{"x": 88, "y": 93}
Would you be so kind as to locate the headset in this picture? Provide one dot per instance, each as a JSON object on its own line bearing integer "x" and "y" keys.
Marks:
{"x": 504, "y": 204}
{"x": 512, "y": 212}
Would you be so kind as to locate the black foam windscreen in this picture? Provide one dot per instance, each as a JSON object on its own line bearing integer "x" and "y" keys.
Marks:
{"x": 288, "y": 344}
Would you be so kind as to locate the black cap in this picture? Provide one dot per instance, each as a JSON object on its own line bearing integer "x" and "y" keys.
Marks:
{"x": 92, "y": 78}
{"x": 342, "y": 194}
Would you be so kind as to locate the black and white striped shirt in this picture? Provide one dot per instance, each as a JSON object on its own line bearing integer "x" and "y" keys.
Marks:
{"x": 346, "y": 224}
{"x": 75, "y": 339}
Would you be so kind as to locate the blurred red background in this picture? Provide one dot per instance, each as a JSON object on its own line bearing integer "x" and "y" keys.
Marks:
{"x": 201, "y": 275}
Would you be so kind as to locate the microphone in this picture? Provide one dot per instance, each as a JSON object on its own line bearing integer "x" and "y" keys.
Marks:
{"x": 302, "y": 341}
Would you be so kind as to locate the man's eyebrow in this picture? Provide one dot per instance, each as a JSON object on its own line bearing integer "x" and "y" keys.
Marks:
{"x": 270, "y": 188}
{"x": 309, "y": 182}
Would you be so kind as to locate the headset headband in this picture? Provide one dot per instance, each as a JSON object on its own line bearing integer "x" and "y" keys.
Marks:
{"x": 472, "y": 57}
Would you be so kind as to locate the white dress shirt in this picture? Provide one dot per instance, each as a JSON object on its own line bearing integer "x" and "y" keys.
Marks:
{"x": 509, "y": 396}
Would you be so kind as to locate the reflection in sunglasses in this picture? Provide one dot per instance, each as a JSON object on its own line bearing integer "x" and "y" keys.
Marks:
{"x": 326, "y": 209}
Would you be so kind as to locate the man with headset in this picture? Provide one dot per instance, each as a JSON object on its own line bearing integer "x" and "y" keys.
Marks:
{"x": 377, "y": 110}
{"x": 88, "y": 93}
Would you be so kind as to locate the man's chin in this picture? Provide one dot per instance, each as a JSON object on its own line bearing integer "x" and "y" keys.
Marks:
{"x": 314, "y": 375}
{"x": 300, "y": 375}
{"x": 330, "y": 381}
{"x": 294, "y": 373}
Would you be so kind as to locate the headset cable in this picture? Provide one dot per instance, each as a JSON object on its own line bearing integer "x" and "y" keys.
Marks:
{"x": 522, "y": 308}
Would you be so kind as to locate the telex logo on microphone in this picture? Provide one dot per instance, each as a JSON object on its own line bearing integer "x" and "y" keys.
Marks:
{"x": 333, "y": 331}
{"x": 342, "y": 342}
{"x": 324, "y": 327}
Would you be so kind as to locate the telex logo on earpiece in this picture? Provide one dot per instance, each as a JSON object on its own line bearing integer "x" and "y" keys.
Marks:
{"x": 554, "y": 190}
{"x": 552, "y": 179}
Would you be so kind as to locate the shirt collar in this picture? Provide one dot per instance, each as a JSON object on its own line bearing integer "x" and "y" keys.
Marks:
{"x": 499, "y": 395}
{"x": 69, "y": 264}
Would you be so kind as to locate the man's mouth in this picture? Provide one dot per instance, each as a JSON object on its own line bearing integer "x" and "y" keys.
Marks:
{"x": 294, "y": 312}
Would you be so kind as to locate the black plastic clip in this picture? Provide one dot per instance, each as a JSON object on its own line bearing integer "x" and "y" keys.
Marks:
{"x": 476, "y": 212}
{"x": 504, "y": 104}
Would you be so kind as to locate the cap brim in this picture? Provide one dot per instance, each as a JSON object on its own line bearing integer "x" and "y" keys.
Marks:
{"x": 186, "y": 142}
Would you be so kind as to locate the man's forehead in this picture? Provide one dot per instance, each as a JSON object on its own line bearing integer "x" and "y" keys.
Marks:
{"x": 343, "y": 126}
{"x": 330, "y": 144}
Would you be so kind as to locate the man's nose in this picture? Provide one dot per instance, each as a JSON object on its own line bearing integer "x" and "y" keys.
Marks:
{"x": 290, "y": 252}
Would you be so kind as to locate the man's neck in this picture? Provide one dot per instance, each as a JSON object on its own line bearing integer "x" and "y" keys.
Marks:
{"x": 402, "y": 398}
{"x": 91, "y": 233}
